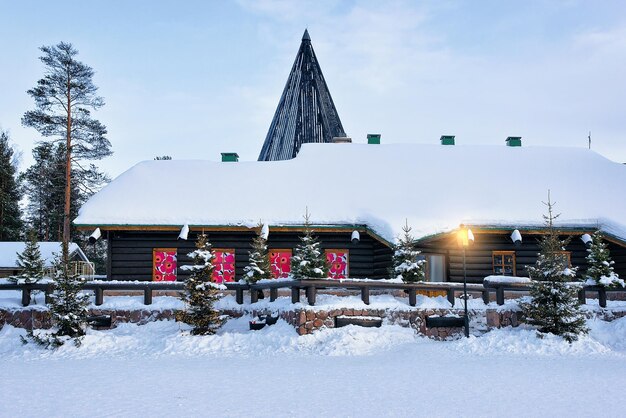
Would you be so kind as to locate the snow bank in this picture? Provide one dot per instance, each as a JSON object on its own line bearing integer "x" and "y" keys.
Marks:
{"x": 477, "y": 190}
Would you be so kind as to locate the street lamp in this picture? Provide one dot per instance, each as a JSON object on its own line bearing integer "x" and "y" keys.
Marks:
{"x": 464, "y": 236}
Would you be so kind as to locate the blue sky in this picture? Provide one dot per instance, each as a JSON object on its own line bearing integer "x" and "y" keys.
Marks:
{"x": 195, "y": 78}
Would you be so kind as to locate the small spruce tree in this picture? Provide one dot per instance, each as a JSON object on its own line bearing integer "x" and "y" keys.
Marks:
{"x": 258, "y": 267}
{"x": 406, "y": 265}
{"x": 600, "y": 271}
{"x": 200, "y": 291}
{"x": 554, "y": 306}
{"x": 30, "y": 262}
{"x": 308, "y": 260}
{"x": 68, "y": 306}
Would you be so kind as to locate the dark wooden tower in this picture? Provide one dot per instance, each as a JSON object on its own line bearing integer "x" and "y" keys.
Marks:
{"x": 306, "y": 112}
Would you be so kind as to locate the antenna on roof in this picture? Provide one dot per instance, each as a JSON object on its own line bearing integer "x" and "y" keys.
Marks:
{"x": 589, "y": 138}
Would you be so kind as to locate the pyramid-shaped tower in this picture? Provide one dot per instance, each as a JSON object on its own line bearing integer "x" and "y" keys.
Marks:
{"x": 306, "y": 112}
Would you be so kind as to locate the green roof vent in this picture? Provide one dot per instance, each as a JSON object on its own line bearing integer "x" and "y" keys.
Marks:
{"x": 447, "y": 139}
{"x": 373, "y": 139}
{"x": 514, "y": 141}
{"x": 230, "y": 157}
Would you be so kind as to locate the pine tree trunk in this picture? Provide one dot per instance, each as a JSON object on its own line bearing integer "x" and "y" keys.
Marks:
{"x": 68, "y": 173}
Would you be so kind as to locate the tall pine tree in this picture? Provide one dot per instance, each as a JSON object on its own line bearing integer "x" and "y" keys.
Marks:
{"x": 30, "y": 261}
{"x": 600, "y": 271}
{"x": 308, "y": 260}
{"x": 64, "y": 99}
{"x": 406, "y": 265}
{"x": 554, "y": 306}
{"x": 258, "y": 267}
{"x": 200, "y": 291}
{"x": 10, "y": 221}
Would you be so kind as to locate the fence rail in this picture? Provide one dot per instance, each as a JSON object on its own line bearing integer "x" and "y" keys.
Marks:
{"x": 310, "y": 288}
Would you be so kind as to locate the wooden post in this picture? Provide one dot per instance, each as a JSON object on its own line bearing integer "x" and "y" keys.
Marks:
{"x": 47, "y": 294}
{"x": 311, "y": 292}
{"x": 365, "y": 295}
{"x": 450, "y": 295}
{"x": 582, "y": 297}
{"x": 254, "y": 295}
{"x": 25, "y": 295}
{"x": 273, "y": 294}
{"x": 295, "y": 294}
{"x": 99, "y": 295}
{"x": 500, "y": 295}
{"x": 486, "y": 297}
{"x": 602, "y": 297}
{"x": 239, "y": 296}
{"x": 412, "y": 297}
{"x": 147, "y": 296}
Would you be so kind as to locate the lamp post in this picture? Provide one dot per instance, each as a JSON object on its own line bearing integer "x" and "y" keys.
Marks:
{"x": 464, "y": 236}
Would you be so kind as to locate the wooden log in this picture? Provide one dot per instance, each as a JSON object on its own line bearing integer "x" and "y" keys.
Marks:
{"x": 99, "y": 296}
{"x": 25, "y": 296}
{"x": 365, "y": 295}
{"x": 147, "y": 296}
{"x": 254, "y": 295}
{"x": 239, "y": 296}
{"x": 450, "y": 296}
{"x": 273, "y": 294}
{"x": 311, "y": 292}
{"x": 295, "y": 294}
{"x": 48, "y": 293}
{"x": 582, "y": 297}
{"x": 412, "y": 297}
{"x": 602, "y": 297}
{"x": 500, "y": 295}
{"x": 485, "y": 294}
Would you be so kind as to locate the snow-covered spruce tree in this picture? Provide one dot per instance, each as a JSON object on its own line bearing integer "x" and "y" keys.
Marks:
{"x": 200, "y": 292}
{"x": 405, "y": 263}
{"x": 30, "y": 262}
{"x": 554, "y": 306}
{"x": 308, "y": 260}
{"x": 600, "y": 271}
{"x": 68, "y": 306}
{"x": 258, "y": 267}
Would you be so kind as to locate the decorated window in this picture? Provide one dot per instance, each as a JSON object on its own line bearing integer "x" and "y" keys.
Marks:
{"x": 280, "y": 263}
{"x": 338, "y": 263}
{"x": 504, "y": 263}
{"x": 224, "y": 263}
{"x": 164, "y": 264}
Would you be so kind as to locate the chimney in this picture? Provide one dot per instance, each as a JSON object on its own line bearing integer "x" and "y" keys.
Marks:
{"x": 230, "y": 157}
{"x": 373, "y": 139}
{"x": 514, "y": 141}
{"x": 342, "y": 140}
{"x": 447, "y": 139}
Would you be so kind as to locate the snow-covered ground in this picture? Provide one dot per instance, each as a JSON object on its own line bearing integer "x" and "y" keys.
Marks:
{"x": 157, "y": 370}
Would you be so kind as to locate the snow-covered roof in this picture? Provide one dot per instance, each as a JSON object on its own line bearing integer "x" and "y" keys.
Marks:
{"x": 434, "y": 187}
{"x": 9, "y": 250}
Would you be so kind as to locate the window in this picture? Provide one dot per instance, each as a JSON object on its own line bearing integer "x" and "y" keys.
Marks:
{"x": 280, "y": 263}
{"x": 164, "y": 264}
{"x": 504, "y": 263}
{"x": 566, "y": 258}
{"x": 435, "y": 267}
{"x": 224, "y": 265}
{"x": 338, "y": 263}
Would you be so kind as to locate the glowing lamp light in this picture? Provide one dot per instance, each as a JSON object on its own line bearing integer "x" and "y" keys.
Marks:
{"x": 464, "y": 236}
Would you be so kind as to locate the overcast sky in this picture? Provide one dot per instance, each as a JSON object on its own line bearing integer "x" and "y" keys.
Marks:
{"x": 192, "y": 79}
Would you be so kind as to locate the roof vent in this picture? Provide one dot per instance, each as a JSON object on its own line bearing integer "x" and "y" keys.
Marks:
{"x": 514, "y": 141}
{"x": 342, "y": 140}
{"x": 447, "y": 139}
{"x": 373, "y": 139}
{"x": 230, "y": 157}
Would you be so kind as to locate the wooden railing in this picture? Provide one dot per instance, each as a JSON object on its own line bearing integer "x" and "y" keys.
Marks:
{"x": 310, "y": 288}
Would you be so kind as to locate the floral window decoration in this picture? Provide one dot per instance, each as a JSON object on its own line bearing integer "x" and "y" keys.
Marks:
{"x": 338, "y": 264}
{"x": 280, "y": 263}
{"x": 224, "y": 262}
{"x": 164, "y": 264}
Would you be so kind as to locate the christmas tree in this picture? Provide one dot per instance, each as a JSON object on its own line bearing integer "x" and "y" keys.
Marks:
{"x": 200, "y": 292}
{"x": 30, "y": 262}
{"x": 406, "y": 265}
{"x": 309, "y": 261}
{"x": 600, "y": 271}
{"x": 68, "y": 306}
{"x": 258, "y": 267}
{"x": 554, "y": 306}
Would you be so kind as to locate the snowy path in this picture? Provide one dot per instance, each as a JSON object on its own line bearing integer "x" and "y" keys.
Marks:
{"x": 387, "y": 372}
